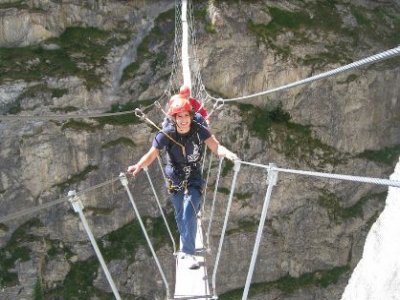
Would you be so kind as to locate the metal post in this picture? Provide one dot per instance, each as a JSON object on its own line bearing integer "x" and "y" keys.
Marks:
{"x": 221, "y": 240}
{"x": 213, "y": 203}
{"x": 78, "y": 206}
{"x": 124, "y": 182}
{"x": 272, "y": 179}
{"x": 160, "y": 207}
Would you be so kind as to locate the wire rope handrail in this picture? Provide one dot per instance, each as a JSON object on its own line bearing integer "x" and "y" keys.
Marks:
{"x": 52, "y": 203}
{"x": 70, "y": 116}
{"x": 366, "y": 61}
{"x": 373, "y": 180}
{"x": 273, "y": 172}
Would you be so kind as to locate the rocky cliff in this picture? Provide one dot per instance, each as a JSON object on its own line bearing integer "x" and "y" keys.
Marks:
{"x": 70, "y": 57}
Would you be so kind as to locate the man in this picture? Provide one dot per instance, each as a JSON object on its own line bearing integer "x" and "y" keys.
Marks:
{"x": 184, "y": 143}
{"x": 184, "y": 92}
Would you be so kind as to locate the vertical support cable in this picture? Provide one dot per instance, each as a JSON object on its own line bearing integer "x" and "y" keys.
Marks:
{"x": 207, "y": 178}
{"x": 213, "y": 203}
{"x": 162, "y": 169}
{"x": 160, "y": 207}
{"x": 204, "y": 160}
{"x": 124, "y": 182}
{"x": 78, "y": 206}
{"x": 272, "y": 179}
{"x": 185, "y": 46}
{"x": 221, "y": 240}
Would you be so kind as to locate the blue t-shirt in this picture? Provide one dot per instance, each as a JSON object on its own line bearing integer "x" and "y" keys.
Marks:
{"x": 193, "y": 141}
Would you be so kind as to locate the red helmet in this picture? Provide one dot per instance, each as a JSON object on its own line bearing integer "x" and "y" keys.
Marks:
{"x": 177, "y": 104}
{"x": 184, "y": 91}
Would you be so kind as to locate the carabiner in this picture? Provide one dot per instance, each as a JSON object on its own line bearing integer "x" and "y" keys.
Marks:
{"x": 140, "y": 114}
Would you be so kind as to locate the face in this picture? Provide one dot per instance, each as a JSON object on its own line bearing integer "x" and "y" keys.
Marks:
{"x": 183, "y": 121}
{"x": 185, "y": 94}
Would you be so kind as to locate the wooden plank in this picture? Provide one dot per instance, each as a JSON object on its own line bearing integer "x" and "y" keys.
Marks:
{"x": 193, "y": 284}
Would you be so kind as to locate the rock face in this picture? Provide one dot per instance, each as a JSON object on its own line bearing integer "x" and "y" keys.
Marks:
{"x": 74, "y": 57}
{"x": 376, "y": 275}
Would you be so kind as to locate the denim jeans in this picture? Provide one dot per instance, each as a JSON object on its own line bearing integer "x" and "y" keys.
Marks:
{"x": 186, "y": 209}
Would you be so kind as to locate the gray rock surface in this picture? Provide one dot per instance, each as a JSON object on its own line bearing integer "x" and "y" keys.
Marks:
{"x": 314, "y": 227}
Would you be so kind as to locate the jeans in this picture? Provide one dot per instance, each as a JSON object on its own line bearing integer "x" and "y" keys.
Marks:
{"x": 186, "y": 209}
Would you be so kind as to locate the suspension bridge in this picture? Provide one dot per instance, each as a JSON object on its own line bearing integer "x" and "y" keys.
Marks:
{"x": 200, "y": 283}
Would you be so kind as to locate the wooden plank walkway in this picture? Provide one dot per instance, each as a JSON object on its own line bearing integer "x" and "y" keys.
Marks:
{"x": 193, "y": 284}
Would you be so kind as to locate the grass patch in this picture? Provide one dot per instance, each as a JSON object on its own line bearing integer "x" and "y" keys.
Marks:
{"x": 15, "y": 4}
{"x": 76, "y": 178}
{"x": 162, "y": 32}
{"x": 288, "y": 285}
{"x": 296, "y": 142}
{"x": 242, "y": 196}
{"x": 319, "y": 18}
{"x": 338, "y": 213}
{"x": 81, "y": 51}
{"x": 123, "y": 242}
{"x": 15, "y": 251}
{"x": 56, "y": 247}
{"x": 119, "y": 244}
{"x": 260, "y": 120}
{"x": 38, "y": 290}
{"x": 116, "y": 120}
{"x": 78, "y": 283}
{"x": 120, "y": 141}
{"x": 201, "y": 15}
{"x": 99, "y": 210}
{"x": 41, "y": 91}
{"x": 223, "y": 190}
{"x": 130, "y": 71}
{"x": 244, "y": 225}
{"x": 387, "y": 155}
{"x": 360, "y": 16}
{"x": 227, "y": 168}
{"x": 281, "y": 19}
{"x": 65, "y": 109}
{"x": 58, "y": 93}
{"x": 350, "y": 78}
{"x": 272, "y": 124}
{"x": 123, "y": 120}
{"x": 79, "y": 125}
{"x": 321, "y": 15}
{"x": 37, "y": 91}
